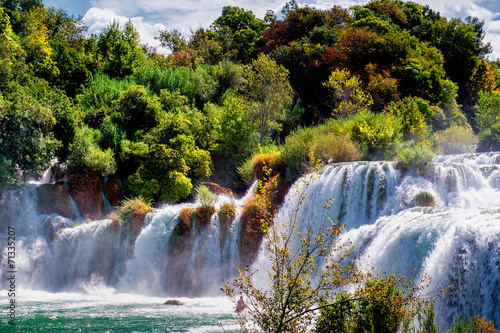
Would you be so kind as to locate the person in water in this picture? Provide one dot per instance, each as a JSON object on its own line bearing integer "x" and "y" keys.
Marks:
{"x": 241, "y": 305}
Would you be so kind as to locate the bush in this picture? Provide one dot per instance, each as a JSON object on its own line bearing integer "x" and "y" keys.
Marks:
{"x": 132, "y": 213}
{"x": 489, "y": 139}
{"x": 205, "y": 196}
{"x": 227, "y": 214}
{"x": 419, "y": 157}
{"x": 378, "y": 135}
{"x": 381, "y": 305}
{"x": 456, "y": 140}
{"x": 86, "y": 155}
{"x": 336, "y": 148}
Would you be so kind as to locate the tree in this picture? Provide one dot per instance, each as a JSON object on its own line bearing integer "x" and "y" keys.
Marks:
{"x": 307, "y": 265}
{"x": 120, "y": 49}
{"x": 36, "y": 43}
{"x": 269, "y": 94}
{"x": 173, "y": 40}
{"x": 348, "y": 96}
{"x": 245, "y": 30}
{"x": 482, "y": 78}
{"x": 26, "y": 141}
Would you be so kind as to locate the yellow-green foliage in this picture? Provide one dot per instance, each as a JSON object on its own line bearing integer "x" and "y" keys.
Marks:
{"x": 382, "y": 304}
{"x": 205, "y": 196}
{"x": 456, "y": 140}
{"x": 348, "y": 95}
{"x": 330, "y": 142}
{"x": 378, "y": 135}
{"x": 132, "y": 212}
{"x": 412, "y": 114}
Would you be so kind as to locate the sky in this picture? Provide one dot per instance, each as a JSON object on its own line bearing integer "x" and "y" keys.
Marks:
{"x": 152, "y": 16}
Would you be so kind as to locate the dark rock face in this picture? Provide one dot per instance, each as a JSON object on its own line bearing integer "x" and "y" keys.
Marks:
{"x": 54, "y": 198}
{"x": 86, "y": 189}
{"x": 180, "y": 248}
{"x": 113, "y": 191}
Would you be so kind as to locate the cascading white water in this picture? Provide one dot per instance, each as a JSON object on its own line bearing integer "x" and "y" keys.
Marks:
{"x": 456, "y": 241}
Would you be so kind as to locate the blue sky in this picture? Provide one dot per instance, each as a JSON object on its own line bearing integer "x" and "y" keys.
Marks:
{"x": 149, "y": 17}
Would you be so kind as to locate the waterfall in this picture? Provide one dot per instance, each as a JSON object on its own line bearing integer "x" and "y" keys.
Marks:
{"x": 454, "y": 240}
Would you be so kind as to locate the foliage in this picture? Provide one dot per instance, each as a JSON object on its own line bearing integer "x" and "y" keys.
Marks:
{"x": 488, "y": 110}
{"x": 456, "y": 140}
{"x": 269, "y": 94}
{"x": 86, "y": 155}
{"x": 119, "y": 49}
{"x": 205, "y": 196}
{"x": 417, "y": 157}
{"x": 245, "y": 31}
{"x": 161, "y": 177}
{"x": 472, "y": 325}
{"x": 331, "y": 142}
{"x": 489, "y": 139}
{"x": 349, "y": 97}
{"x": 132, "y": 212}
{"x": 412, "y": 113}
{"x": 233, "y": 130}
{"x": 377, "y": 135}
{"x": 26, "y": 143}
{"x": 382, "y": 304}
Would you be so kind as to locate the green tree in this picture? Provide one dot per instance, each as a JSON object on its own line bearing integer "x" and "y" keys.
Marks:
{"x": 11, "y": 52}
{"x": 36, "y": 43}
{"x": 26, "y": 141}
{"x": 173, "y": 40}
{"x": 348, "y": 95}
{"x": 233, "y": 132}
{"x": 120, "y": 49}
{"x": 245, "y": 30}
{"x": 269, "y": 94}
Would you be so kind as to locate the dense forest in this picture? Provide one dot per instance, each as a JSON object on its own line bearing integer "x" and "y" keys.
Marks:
{"x": 386, "y": 80}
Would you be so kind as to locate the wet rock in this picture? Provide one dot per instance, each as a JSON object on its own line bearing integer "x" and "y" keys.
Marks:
{"x": 173, "y": 302}
{"x": 86, "y": 189}
{"x": 113, "y": 191}
{"x": 54, "y": 198}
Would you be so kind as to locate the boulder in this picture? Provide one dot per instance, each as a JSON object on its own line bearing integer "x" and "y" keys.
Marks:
{"x": 173, "y": 302}
{"x": 86, "y": 189}
{"x": 54, "y": 198}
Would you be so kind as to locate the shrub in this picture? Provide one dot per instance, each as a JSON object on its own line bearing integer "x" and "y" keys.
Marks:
{"x": 424, "y": 199}
{"x": 381, "y": 305}
{"x": 227, "y": 214}
{"x": 132, "y": 212}
{"x": 419, "y": 157}
{"x": 378, "y": 135}
{"x": 205, "y": 196}
{"x": 87, "y": 155}
{"x": 489, "y": 139}
{"x": 456, "y": 140}
{"x": 186, "y": 219}
{"x": 336, "y": 148}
